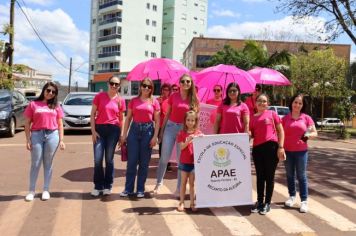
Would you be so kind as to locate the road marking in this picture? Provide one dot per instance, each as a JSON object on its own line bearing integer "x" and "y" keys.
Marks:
{"x": 122, "y": 219}
{"x": 69, "y": 215}
{"x": 322, "y": 212}
{"x": 15, "y": 215}
{"x": 234, "y": 221}
{"x": 179, "y": 223}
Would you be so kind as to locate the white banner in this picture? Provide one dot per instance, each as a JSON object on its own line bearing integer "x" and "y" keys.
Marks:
{"x": 222, "y": 170}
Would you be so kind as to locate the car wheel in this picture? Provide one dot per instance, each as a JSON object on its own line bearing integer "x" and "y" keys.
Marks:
{"x": 12, "y": 128}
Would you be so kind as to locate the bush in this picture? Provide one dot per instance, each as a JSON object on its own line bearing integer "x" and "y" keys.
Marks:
{"x": 345, "y": 134}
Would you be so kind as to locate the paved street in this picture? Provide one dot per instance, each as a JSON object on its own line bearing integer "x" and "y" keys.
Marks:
{"x": 72, "y": 211}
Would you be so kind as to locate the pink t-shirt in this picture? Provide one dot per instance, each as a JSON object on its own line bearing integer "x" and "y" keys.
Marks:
{"x": 108, "y": 110}
{"x": 164, "y": 107}
{"x": 263, "y": 127}
{"x": 142, "y": 111}
{"x": 187, "y": 154}
{"x": 214, "y": 102}
{"x": 294, "y": 130}
{"x": 232, "y": 118}
{"x": 251, "y": 104}
{"x": 178, "y": 108}
{"x": 43, "y": 117}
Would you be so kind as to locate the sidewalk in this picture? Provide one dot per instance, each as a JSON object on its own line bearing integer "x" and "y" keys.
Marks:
{"x": 334, "y": 137}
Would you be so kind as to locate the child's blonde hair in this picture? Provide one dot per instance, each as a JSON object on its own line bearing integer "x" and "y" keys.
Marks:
{"x": 188, "y": 113}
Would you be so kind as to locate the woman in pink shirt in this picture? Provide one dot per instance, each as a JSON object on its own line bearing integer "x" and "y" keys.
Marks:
{"x": 44, "y": 133}
{"x": 251, "y": 101}
{"x": 232, "y": 115}
{"x": 217, "y": 100}
{"x": 143, "y": 120}
{"x": 268, "y": 139}
{"x": 178, "y": 104}
{"x": 106, "y": 118}
{"x": 298, "y": 127}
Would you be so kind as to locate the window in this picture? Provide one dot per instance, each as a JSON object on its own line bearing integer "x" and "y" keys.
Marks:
{"x": 147, "y": 22}
{"x": 94, "y": 21}
{"x": 153, "y": 54}
{"x": 147, "y": 5}
{"x": 154, "y": 39}
{"x": 165, "y": 28}
{"x": 201, "y": 60}
{"x": 154, "y": 23}
{"x": 146, "y": 53}
{"x": 195, "y": 18}
{"x": 164, "y": 43}
{"x": 91, "y": 67}
{"x": 202, "y": 8}
{"x": 147, "y": 37}
{"x": 165, "y": 13}
{"x": 154, "y": 8}
{"x": 184, "y": 16}
{"x": 194, "y": 32}
{"x": 202, "y": 22}
{"x": 196, "y": 4}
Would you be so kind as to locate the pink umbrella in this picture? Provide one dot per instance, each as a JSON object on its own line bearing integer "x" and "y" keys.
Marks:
{"x": 223, "y": 75}
{"x": 167, "y": 70}
{"x": 268, "y": 76}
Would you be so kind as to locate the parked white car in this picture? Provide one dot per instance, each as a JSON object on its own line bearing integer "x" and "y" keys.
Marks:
{"x": 77, "y": 107}
{"x": 280, "y": 110}
{"x": 330, "y": 122}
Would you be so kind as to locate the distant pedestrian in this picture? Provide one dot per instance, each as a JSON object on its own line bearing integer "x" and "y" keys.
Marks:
{"x": 175, "y": 88}
{"x": 298, "y": 127}
{"x": 106, "y": 119}
{"x": 217, "y": 99}
{"x": 143, "y": 120}
{"x": 268, "y": 140}
{"x": 184, "y": 138}
{"x": 232, "y": 115}
{"x": 44, "y": 133}
{"x": 251, "y": 100}
{"x": 179, "y": 103}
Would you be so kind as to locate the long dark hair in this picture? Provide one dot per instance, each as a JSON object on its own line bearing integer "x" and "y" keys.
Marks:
{"x": 227, "y": 100}
{"x": 52, "y": 103}
{"x": 304, "y": 100}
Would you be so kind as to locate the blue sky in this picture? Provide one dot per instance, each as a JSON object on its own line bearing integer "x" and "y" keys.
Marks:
{"x": 64, "y": 25}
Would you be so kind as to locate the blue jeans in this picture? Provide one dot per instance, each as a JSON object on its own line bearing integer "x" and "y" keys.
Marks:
{"x": 139, "y": 154}
{"x": 169, "y": 138}
{"x": 105, "y": 145}
{"x": 296, "y": 162}
{"x": 44, "y": 147}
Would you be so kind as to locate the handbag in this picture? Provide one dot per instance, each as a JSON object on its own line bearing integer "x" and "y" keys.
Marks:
{"x": 123, "y": 151}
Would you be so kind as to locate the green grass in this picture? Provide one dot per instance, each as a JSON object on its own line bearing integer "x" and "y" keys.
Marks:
{"x": 352, "y": 131}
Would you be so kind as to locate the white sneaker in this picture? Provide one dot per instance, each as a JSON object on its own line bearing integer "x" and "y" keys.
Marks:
{"x": 30, "y": 196}
{"x": 95, "y": 192}
{"x": 107, "y": 192}
{"x": 124, "y": 194}
{"x": 303, "y": 207}
{"x": 290, "y": 202}
{"x": 140, "y": 195}
{"x": 45, "y": 196}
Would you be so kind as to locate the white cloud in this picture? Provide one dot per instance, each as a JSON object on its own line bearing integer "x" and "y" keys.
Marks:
{"x": 40, "y": 2}
{"x": 61, "y": 35}
{"x": 288, "y": 29}
{"x": 225, "y": 13}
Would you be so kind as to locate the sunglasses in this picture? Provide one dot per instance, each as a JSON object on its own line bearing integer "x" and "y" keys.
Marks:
{"x": 216, "y": 90}
{"x": 233, "y": 91}
{"x": 146, "y": 86}
{"x": 51, "y": 91}
{"x": 113, "y": 84}
{"x": 183, "y": 81}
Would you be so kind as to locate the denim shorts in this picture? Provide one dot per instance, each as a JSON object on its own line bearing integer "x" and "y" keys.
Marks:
{"x": 186, "y": 167}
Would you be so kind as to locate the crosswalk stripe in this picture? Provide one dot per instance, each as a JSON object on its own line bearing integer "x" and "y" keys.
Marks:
{"x": 178, "y": 223}
{"x": 122, "y": 223}
{"x": 234, "y": 221}
{"x": 68, "y": 218}
{"x": 14, "y": 216}
{"x": 283, "y": 219}
{"x": 322, "y": 212}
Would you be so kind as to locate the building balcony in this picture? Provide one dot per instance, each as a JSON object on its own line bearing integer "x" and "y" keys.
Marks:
{"x": 109, "y": 4}
{"x": 108, "y": 21}
{"x": 109, "y": 70}
{"x": 109, "y": 37}
{"x": 109, "y": 54}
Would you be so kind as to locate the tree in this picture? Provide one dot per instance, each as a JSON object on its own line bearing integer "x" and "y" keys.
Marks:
{"x": 341, "y": 14}
{"x": 320, "y": 74}
{"x": 5, "y": 70}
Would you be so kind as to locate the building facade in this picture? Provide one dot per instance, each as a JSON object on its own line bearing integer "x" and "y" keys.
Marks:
{"x": 182, "y": 21}
{"x": 201, "y": 49}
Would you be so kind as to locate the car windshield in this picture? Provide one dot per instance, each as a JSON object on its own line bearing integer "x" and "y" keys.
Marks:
{"x": 80, "y": 100}
{"x": 5, "y": 97}
{"x": 282, "y": 111}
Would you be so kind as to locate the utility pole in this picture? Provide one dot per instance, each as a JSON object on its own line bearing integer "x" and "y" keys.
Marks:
{"x": 70, "y": 75}
{"x": 12, "y": 31}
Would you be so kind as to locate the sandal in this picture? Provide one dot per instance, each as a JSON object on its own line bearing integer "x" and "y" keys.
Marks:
{"x": 156, "y": 189}
{"x": 194, "y": 209}
{"x": 180, "y": 207}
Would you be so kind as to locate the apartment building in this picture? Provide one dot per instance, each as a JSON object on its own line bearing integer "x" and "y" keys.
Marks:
{"x": 182, "y": 21}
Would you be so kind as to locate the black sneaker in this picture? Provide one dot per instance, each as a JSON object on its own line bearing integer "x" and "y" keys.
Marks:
{"x": 257, "y": 207}
{"x": 266, "y": 208}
